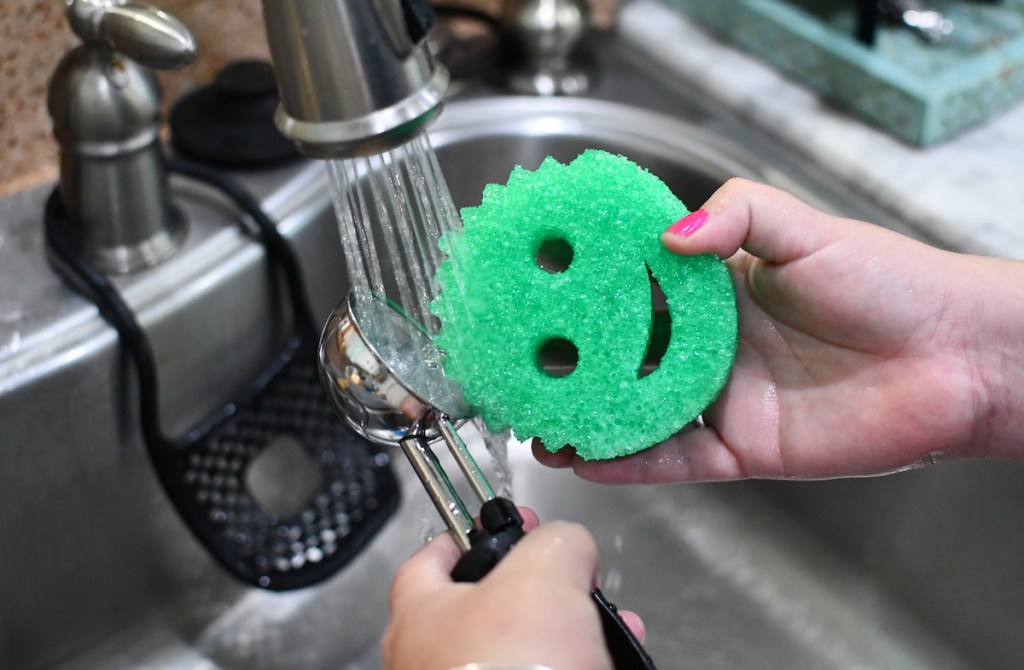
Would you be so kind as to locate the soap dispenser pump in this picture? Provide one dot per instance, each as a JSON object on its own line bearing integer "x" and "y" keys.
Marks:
{"x": 105, "y": 103}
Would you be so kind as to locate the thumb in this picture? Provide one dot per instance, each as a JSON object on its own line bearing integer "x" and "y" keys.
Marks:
{"x": 764, "y": 221}
{"x": 561, "y": 552}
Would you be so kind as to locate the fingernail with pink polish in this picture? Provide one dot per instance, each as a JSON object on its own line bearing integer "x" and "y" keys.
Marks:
{"x": 689, "y": 224}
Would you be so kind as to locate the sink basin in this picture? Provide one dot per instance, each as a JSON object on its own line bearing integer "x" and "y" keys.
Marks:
{"x": 917, "y": 570}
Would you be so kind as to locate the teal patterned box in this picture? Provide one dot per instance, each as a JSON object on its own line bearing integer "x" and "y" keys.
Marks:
{"x": 920, "y": 93}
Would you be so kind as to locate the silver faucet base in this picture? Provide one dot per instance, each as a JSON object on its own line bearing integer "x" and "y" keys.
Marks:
{"x": 126, "y": 258}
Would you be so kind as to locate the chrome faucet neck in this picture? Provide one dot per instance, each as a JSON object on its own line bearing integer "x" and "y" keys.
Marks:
{"x": 355, "y": 76}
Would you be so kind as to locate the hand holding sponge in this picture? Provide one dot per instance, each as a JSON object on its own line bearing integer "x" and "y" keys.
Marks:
{"x": 500, "y": 309}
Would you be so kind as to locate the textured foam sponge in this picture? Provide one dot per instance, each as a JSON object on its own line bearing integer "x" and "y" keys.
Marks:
{"x": 500, "y": 309}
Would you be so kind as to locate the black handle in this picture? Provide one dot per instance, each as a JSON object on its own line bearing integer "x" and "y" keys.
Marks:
{"x": 626, "y": 651}
{"x": 501, "y": 527}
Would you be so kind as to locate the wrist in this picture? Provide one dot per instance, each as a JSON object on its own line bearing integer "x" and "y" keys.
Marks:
{"x": 996, "y": 351}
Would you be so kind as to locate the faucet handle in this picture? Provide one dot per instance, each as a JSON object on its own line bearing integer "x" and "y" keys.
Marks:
{"x": 144, "y": 33}
{"x": 105, "y": 103}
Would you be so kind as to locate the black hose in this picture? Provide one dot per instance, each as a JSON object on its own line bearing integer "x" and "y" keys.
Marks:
{"x": 278, "y": 248}
{"x": 119, "y": 315}
{"x": 115, "y": 311}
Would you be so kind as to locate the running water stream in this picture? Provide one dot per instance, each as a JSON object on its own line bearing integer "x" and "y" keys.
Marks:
{"x": 392, "y": 209}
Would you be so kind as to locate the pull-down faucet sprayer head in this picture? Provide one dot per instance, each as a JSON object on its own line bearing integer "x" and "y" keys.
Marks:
{"x": 355, "y": 76}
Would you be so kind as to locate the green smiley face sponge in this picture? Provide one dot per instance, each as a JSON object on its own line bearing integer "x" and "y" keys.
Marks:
{"x": 499, "y": 308}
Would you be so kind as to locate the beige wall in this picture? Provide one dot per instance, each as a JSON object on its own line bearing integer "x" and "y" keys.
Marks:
{"x": 34, "y": 35}
{"x": 33, "y": 38}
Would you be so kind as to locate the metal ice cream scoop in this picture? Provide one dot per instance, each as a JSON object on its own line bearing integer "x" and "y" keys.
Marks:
{"x": 413, "y": 411}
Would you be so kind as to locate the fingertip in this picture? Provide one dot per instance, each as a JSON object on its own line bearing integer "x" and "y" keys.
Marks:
{"x": 635, "y": 624}
{"x": 675, "y": 243}
{"x": 702, "y": 232}
{"x": 677, "y": 237}
{"x": 688, "y": 225}
{"x": 530, "y": 519}
{"x": 560, "y": 459}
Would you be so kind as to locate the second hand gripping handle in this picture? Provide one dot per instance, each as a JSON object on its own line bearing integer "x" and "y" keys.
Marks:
{"x": 500, "y": 528}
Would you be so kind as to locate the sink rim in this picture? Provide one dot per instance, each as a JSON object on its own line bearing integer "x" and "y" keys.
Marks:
{"x": 655, "y": 133}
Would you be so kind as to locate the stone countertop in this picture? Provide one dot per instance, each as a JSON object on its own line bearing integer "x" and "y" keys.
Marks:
{"x": 967, "y": 192}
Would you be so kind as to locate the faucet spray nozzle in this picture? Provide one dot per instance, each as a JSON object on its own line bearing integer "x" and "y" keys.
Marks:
{"x": 355, "y": 76}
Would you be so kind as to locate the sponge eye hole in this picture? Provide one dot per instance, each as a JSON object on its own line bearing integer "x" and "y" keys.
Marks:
{"x": 558, "y": 357}
{"x": 554, "y": 255}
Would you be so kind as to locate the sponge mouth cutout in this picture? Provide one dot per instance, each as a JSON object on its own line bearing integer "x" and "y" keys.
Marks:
{"x": 546, "y": 309}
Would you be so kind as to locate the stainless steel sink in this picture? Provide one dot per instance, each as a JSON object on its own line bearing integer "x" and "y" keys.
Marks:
{"x": 917, "y": 570}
